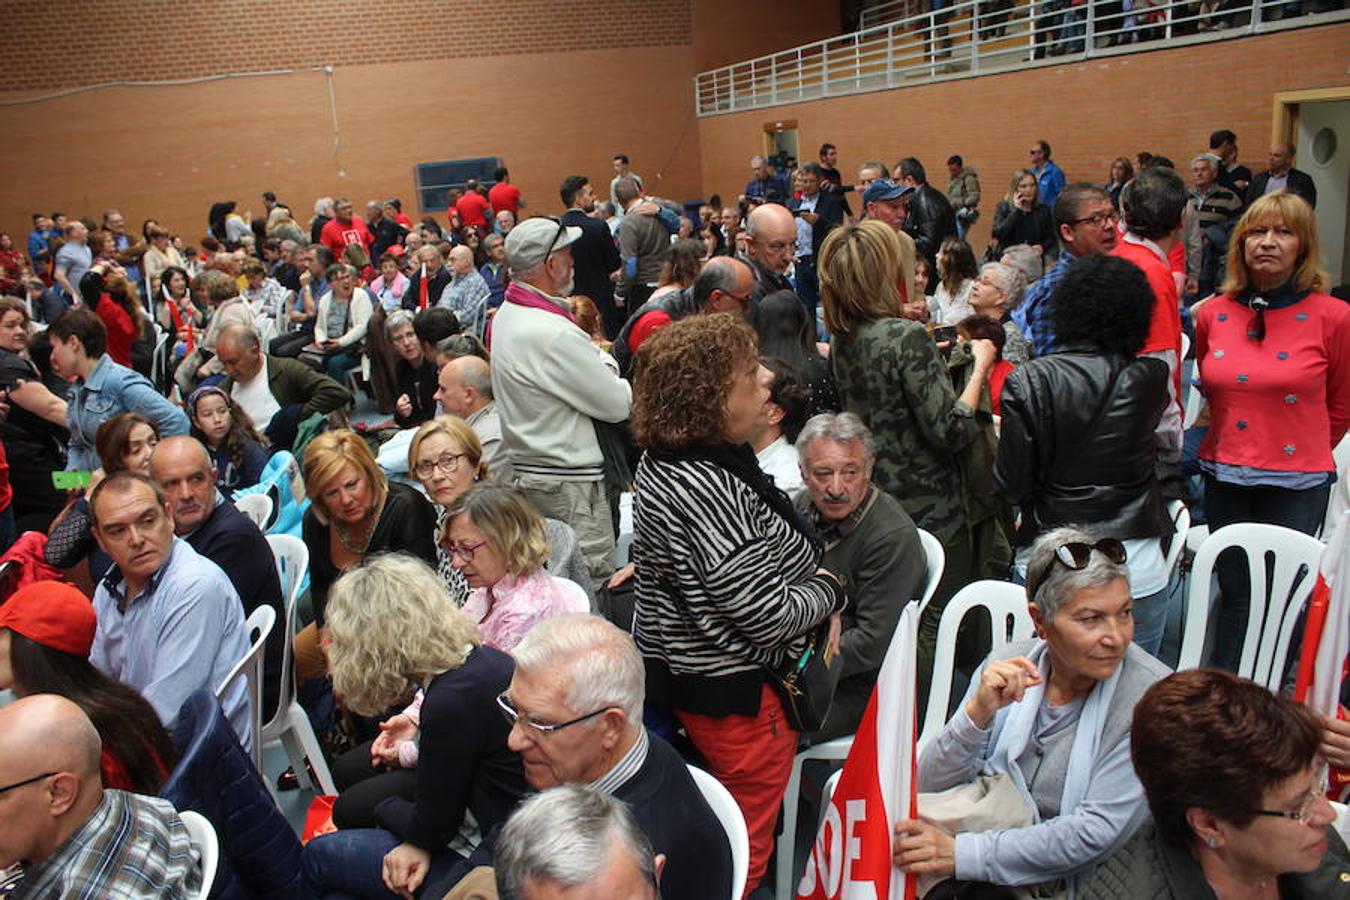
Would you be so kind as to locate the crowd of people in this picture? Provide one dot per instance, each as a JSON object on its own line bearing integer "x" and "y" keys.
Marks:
{"x": 789, "y": 395}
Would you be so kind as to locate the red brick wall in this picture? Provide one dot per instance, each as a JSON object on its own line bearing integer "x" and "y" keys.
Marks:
{"x": 728, "y": 31}
{"x": 1166, "y": 102}
{"x": 94, "y": 41}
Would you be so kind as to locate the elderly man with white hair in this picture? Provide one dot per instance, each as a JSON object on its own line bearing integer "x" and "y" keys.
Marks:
{"x": 467, "y": 293}
{"x": 575, "y": 704}
{"x": 552, "y": 385}
{"x": 1216, "y": 210}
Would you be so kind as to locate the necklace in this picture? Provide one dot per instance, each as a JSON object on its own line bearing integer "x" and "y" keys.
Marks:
{"x": 358, "y": 547}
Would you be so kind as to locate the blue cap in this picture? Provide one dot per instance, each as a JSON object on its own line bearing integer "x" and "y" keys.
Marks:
{"x": 885, "y": 189}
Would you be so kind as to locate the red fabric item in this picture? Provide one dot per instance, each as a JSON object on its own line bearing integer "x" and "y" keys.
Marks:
{"x": 1165, "y": 330}
{"x": 422, "y": 290}
{"x": 121, "y": 329}
{"x": 177, "y": 316}
{"x": 6, "y": 489}
{"x": 318, "y": 819}
{"x": 752, "y": 757}
{"x": 473, "y": 209}
{"x": 1283, "y": 403}
{"x": 650, "y": 323}
{"x": 402, "y": 219}
{"x": 29, "y": 551}
{"x": 114, "y": 771}
{"x": 1002, "y": 369}
{"x": 336, "y": 236}
{"x": 53, "y": 614}
{"x": 504, "y": 196}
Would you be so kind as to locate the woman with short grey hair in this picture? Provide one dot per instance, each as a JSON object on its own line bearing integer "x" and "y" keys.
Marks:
{"x": 1052, "y": 715}
{"x": 997, "y": 291}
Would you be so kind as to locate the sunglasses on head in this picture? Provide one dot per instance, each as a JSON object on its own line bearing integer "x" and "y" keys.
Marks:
{"x": 1256, "y": 328}
{"x": 1076, "y": 555}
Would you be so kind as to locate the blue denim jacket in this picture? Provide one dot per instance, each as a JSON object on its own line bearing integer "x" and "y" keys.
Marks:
{"x": 110, "y": 390}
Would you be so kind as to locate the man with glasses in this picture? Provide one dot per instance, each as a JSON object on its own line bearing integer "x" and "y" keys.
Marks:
{"x": 345, "y": 229}
{"x": 575, "y": 708}
{"x": 772, "y": 234}
{"x": 1049, "y": 176}
{"x": 552, "y": 385}
{"x": 72, "y": 837}
{"x": 1085, "y": 220}
{"x": 725, "y": 284}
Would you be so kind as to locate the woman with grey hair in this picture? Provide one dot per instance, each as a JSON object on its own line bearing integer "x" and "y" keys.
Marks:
{"x": 414, "y": 372}
{"x": 393, "y": 629}
{"x": 997, "y": 291}
{"x": 1052, "y": 715}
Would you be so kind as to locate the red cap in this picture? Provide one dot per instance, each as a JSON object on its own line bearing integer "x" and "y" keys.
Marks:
{"x": 53, "y": 614}
{"x": 396, "y": 250}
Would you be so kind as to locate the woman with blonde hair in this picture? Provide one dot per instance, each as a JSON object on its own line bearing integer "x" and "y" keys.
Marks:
{"x": 1021, "y": 218}
{"x": 892, "y": 376}
{"x": 355, "y": 512}
{"x": 393, "y": 630}
{"x": 1273, "y": 350}
{"x": 283, "y": 227}
{"x": 497, "y": 541}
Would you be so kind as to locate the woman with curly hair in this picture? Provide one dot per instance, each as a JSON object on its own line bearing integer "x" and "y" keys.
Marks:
{"x": 394, "y": 630}
{"x": 1077, "y": 442}
{"x": 729, "y": 581}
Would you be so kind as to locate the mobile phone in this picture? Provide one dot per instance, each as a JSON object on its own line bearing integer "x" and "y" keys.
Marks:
{"x": 70, "y": 481}
{"x": 944, "y": 333}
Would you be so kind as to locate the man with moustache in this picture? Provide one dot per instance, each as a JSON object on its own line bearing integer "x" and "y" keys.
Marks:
{"x": 870, "y": 542}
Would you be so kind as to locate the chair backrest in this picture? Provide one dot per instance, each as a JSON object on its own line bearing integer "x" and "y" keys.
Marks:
{"x": 292, "y": 558}
{"x": 259, "y": 622}
{"x": 1181, "y": 525}
{"x": 258, "y": 507}
{"x": 733, "y": 823}
{"x": 207, "y": 845}
{"x": 1282, "y": 564}
{"x": 1006, "y": 604}
{"x": 935, "y": 557}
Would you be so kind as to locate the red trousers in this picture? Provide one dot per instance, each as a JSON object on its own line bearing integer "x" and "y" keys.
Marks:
{"x": 752, "y": 757}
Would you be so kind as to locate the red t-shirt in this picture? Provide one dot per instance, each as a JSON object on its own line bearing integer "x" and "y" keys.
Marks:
{"x": 121, "y": 330}
{"x": 650, "y": 323}
{"x": 1164, "y": 332}
{"x": 336, "y": 236}
{"x": 473, "y": 209}
{"x": 504, "y": 196}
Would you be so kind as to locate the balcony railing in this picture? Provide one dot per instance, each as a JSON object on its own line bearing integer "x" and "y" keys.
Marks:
{"x": 973, "y": 38}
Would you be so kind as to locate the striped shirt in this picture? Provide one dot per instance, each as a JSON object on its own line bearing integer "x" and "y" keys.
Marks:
{"x": 725, "y": 586}
{"x": 131, "y": 847}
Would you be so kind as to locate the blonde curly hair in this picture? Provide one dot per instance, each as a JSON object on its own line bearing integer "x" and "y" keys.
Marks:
{"x": 392, "y": 625}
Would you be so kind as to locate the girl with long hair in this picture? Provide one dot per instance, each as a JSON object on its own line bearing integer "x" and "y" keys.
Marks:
{"x": 237, "y": 450}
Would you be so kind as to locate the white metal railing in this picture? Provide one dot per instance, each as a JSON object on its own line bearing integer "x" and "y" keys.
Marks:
{"x": 981, "y": 36}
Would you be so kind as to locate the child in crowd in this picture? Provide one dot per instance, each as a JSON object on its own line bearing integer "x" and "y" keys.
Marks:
{"x": 236, "y": 448}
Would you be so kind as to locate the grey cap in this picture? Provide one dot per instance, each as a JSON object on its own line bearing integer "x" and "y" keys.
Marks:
{"x": 530, "y": 242}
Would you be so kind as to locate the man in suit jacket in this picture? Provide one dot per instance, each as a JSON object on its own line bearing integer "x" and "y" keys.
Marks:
{"x": 576, "y": 701}
{"x": 595, "y": 256}
{"x": 1282, "y": 176}
{"x": 819, "y": 212}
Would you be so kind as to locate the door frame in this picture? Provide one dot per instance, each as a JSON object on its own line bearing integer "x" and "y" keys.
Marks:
{"x": 1284, "y": 117}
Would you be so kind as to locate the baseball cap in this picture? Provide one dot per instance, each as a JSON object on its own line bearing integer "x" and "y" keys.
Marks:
{"x": 885, "y": 189}
{"x": 530, "y": 242}
{"x": 53, "y": 614}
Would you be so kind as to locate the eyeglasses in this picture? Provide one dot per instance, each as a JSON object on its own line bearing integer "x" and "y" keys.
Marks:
{"x": 553, "y": 243}
{"x": 513, "y": 717}
{"x": 1076, "y": 555}
{"x": 463, "y": 551}
{"x": 1099, "y": 220}
{"x": 446, "y": 462}
{"x": 1256, "y": 329}
{"x": 19, "y": 784}
{"x": 1304, "y": 814}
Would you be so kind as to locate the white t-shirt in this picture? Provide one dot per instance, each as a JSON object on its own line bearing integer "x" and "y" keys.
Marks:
{"x": 779, "y": 460}
{"x": 255, "y": 398}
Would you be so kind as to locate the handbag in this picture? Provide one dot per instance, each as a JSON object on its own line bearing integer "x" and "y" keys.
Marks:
{"x": 989, "y": 803}
{"x": 806, "y": 683}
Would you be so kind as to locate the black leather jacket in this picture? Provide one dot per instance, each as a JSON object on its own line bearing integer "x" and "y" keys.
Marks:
{"x": 1077, "y": 444}
{"x": 931, "y": 220}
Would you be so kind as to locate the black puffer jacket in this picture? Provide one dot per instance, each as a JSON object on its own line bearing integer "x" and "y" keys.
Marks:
{"x": 1077, "y": 444}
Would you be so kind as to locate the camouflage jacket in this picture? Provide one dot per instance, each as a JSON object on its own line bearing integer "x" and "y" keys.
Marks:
{"x": 891, "y": 374}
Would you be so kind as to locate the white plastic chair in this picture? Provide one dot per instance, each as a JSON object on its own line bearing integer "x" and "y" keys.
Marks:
{"x": 1342, "y": 822}
{"x": 1276, "y": 598}
{"x": 733, "y": 823}
{"x": 258, "y": 507}
{"x": 1181, "y": 526}
{"x": 207, "y": 845}
{"x": 837, "y": 750}
{"x": 290, "y": 725}
{"x": 260, "y": 621}
{"x": 1007, "y": 606}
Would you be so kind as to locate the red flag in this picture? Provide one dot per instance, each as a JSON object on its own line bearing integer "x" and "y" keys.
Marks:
{"x": 422, "y": 289}
{"x": 851, "y": 858}
{"x": 1326, "y": 639}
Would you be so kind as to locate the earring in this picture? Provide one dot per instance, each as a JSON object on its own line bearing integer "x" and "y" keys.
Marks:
{"x": 1212, "y": 841}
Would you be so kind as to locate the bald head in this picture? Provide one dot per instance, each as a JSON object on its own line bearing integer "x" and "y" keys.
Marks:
{"x": 185, "y": 473}
{"x": 724, "y": 285}
{"x": 464, "y": 386}
{"x": 461, "y": 259}
{"x": 772, "y": 236}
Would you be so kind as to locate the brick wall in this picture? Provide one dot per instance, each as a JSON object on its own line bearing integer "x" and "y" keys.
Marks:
{"x": 1166, "y": 102}
{"x": 95, "y": 41}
